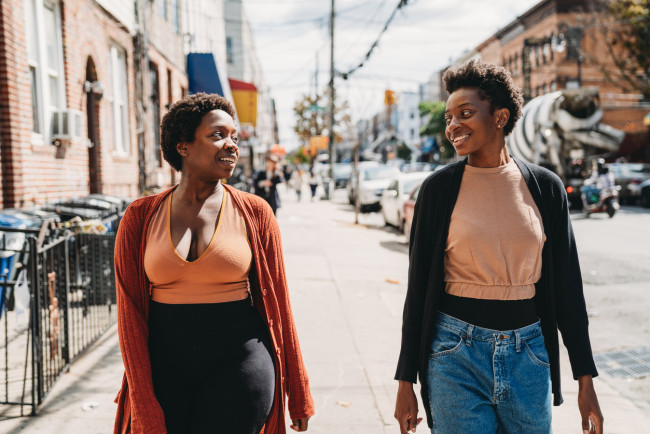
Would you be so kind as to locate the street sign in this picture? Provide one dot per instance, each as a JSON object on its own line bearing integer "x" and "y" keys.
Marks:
{"x": 316, "y": 108}
{"x": 318, "y": 142}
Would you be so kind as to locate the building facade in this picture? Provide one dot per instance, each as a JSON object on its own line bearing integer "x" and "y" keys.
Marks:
{"x": 66, "y": 92}
{"x": 161, "y": 75}
{"x": 83, "y": 86}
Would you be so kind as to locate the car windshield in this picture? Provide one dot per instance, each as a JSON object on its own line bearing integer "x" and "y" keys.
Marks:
{"x": 375, "y": 173}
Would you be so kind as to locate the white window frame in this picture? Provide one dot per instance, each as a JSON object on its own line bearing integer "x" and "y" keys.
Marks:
{"x": 119, "y": 99}
{"x": 45, "y": 105}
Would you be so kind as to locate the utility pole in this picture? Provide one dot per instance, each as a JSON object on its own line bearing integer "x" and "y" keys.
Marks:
{"x": 140, "y": 62}
{"x": 332, "y": 145}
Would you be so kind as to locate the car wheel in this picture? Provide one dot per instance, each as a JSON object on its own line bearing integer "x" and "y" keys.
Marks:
{"x": 383, "y": 214}
{"x": 645, "y": 199}
{"x": 401, "y": 221}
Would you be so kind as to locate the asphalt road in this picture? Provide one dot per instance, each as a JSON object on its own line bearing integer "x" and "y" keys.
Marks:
{"x": 615, "y": 263}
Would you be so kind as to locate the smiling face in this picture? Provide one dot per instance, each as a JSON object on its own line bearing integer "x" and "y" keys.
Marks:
{"x": 472, "y": 128}
{"x": 214, "y": 152}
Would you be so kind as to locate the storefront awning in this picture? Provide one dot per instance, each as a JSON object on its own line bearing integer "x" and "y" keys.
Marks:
{"x": 203, "y": 74}
{"x": 244, "y": 96}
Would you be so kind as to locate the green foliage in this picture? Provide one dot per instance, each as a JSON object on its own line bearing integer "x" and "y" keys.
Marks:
{"x": 627, "y": 37}
{"x": 436, "y": 117}
{"x": 301, "y": 156}
{"x": 404, "y": 152}
{"x": 435, "y": 126}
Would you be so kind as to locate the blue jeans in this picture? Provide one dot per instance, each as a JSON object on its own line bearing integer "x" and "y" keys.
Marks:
{"x": 488, "y": 381}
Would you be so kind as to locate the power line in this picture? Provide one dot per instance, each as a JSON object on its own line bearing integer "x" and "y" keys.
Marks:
{"x": 345, "y": 75}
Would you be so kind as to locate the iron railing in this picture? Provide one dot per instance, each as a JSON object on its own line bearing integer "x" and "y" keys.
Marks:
{"x": 71, "y": 281}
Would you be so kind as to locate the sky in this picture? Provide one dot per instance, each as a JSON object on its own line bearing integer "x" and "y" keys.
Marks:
{"x": 292, "y": 40}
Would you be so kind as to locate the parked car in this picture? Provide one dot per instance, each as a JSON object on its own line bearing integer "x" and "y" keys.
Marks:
{"x": 342, "y": 173}
{"x": 353, "y": 177}
{"x": 407, "y": 211}
{"x": 373, "y": 180}
{"x": 418, "y": 166}
{"x": 630, "y": 176}
{"x": 644, "y": 197}
{"x": 397, "y": 192}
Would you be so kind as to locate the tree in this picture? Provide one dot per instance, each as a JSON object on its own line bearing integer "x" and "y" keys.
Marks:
{"x": 312, "y": 118}
{"x": 626, "y": 33}
{"x": 436, "y": 126}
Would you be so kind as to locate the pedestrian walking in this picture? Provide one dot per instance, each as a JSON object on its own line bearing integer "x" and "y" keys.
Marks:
{"x": 493, "y": 274}
{"x": 205, "y": 324}
{"x": 266, "y": 182}
{"x": 296, "y": 180}
{"x": 314, "y": 180}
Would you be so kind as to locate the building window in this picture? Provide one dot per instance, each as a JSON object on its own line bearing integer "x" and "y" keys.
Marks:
{"x": 155, "y": 102}
{"x": 162, "y": 8}
{"x": 174, "y": 10}
{"x": 120, "y": 100}
{"x": 170, "y": 90}
{"x": 229, "y": 50}
{"x": 45, "y": 64}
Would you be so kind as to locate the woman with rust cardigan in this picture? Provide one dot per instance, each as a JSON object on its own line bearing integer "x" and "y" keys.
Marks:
{"x": 205, "y": 323}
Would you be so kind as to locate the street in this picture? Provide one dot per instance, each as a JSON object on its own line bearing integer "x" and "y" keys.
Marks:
{"x": 347, "y": 286}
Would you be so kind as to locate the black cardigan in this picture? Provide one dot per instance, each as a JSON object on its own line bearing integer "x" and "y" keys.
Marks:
{"x": 558, "y": 294}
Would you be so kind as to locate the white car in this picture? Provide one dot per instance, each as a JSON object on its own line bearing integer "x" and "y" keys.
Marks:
{"x": 398, "y": 191}
{"x": 372, "y": 183}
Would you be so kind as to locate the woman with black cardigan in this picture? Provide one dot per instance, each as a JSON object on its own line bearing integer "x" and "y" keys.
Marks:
{"x": 493, "y": 275}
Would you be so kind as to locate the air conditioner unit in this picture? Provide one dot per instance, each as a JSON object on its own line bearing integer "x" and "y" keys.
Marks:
{"x": 66, "y": 124}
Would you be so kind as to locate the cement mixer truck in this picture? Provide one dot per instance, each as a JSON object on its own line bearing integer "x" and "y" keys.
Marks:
{"x": 561, "y": 131}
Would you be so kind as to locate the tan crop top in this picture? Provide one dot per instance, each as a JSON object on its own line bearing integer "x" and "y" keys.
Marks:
{"x": 496, "y": 236}
{"x": 219, "y": 275}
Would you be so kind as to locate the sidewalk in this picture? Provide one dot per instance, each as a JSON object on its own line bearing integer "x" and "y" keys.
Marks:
{"x": 347, "y": 286}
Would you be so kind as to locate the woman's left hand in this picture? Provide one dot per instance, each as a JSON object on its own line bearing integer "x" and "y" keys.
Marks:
{"x": 588, "y": 405}
{"x": 299, "y": 424}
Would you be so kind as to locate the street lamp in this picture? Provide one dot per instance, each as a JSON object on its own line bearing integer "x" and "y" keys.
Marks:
{"x": 567, "y": 38}
{"x": 570, "y": 38}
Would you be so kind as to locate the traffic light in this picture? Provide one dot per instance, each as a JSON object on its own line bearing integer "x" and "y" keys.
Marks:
{"x": 389, "y": 97}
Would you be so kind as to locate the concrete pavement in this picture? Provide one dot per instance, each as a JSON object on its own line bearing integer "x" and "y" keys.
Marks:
{"x": 347, "y": 286}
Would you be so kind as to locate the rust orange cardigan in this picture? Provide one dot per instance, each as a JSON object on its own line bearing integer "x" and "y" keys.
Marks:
{"x": 138, "y": 410}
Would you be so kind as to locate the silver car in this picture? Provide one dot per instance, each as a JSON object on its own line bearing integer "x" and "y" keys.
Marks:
{"x": 393, "y": 198}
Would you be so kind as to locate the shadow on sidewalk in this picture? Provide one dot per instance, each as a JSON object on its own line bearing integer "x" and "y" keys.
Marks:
{"x": 84, "y": 377}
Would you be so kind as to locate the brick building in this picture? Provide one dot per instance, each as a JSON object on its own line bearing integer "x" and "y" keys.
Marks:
{"x": 79, "y": 108}
{"x": 563, "y": 47}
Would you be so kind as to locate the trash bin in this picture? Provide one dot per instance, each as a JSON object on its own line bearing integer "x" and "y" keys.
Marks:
{"x": 10, "y": 244}
{"x": 86, "y": 208}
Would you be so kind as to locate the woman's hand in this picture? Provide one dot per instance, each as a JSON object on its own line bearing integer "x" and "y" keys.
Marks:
{"x": 588, "y": 405}
{"x": 299, "y": 424}
{"x": 406, "y": 408}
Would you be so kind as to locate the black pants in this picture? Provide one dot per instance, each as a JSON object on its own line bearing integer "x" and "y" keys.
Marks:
{"x": 212, "y": 367}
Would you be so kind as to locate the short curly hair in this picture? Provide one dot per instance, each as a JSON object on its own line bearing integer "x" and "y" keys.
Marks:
{"x": 494, "y": 85}
{"x": 183, "y": 118}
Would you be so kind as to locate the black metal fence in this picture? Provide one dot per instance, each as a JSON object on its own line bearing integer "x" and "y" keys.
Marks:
{"x": 57, "y": 297}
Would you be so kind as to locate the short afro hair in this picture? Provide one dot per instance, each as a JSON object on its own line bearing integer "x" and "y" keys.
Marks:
{"x": 183, "y": 118}
{"x": 494, "y": 84}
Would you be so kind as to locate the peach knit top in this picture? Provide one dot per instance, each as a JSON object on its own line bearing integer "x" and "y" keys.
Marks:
{"x": 496, "y": 236}
{"x": 219, "y": 275}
